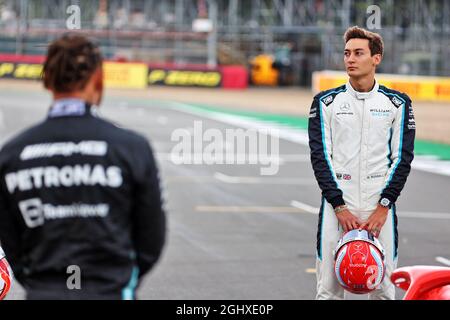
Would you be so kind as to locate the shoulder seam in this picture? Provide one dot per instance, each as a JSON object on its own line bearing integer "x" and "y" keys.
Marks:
{"x": 329, "y": 91}
{"x": 395, "y": 97}
{"x": 385, "y": 90}
{"x": 327, "y": 97}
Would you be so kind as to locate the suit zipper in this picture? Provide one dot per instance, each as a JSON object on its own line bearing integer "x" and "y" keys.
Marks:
{"x": 361, "y": 153}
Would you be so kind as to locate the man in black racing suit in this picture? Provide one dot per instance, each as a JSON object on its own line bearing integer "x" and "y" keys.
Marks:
{"x": 81, "y": 215}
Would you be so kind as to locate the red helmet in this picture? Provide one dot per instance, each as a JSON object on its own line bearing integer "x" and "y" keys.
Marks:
{"x": 359, "y": 262}
{"x": 5, "y": 276}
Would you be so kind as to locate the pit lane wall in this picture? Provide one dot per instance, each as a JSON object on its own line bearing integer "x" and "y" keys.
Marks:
{"x": 418, "y": 88}
{"x": 130, "y": 75}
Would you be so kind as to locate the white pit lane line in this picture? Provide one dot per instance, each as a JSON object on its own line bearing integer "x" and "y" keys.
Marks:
{"x": 300, "y": 136}
{"x": 251, "y": 158}
{"x": 443, "y": 260}
{"x": 402, "y": 214}
{"x": 305, "y": 207}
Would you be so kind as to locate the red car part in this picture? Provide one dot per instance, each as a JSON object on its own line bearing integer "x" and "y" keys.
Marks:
{"x": 423, "y": 282}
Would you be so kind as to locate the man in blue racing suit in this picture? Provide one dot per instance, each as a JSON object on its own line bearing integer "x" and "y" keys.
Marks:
{"x": 361, "y": 137}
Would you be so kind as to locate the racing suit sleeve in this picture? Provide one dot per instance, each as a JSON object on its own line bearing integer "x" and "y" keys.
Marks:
{"x": 319, "y": 133}
{"x": 402, "y": 151}
{"x": 149, "y": 223}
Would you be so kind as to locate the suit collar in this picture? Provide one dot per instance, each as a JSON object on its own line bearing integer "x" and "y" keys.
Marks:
{"x": 362, "y": 95}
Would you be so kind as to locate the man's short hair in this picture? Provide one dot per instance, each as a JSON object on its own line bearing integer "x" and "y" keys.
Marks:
{"x": 375, "y": 40}
{"x": 71, "y": 60}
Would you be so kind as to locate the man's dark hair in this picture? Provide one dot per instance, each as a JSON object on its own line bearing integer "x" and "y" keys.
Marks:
{"x": 375, "y": 40}
{"x": 70, "y": 62}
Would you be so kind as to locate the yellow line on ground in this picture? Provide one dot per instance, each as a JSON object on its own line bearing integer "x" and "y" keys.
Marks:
{"x": 310, "y": 270}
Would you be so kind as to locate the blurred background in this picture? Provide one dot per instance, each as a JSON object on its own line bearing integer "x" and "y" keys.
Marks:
{"x": 243, "y": 64}
{"x": 295, "y": 37}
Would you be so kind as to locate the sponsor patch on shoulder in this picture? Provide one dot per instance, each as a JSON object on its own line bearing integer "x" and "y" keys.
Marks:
{"x": 327, "y": 100}
{"x": 396, "y": 101}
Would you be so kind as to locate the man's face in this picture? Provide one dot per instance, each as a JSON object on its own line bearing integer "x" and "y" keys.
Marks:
{"x": 357, "y": 58}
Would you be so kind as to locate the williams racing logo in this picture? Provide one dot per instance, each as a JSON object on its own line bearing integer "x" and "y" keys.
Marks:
{"x": 378, "y": 112}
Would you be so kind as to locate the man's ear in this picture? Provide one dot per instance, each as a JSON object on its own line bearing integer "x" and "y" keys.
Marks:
{"x": 98, "y": 85}
{"x": 377, "y": 59}
{"x": 99, "y": 79}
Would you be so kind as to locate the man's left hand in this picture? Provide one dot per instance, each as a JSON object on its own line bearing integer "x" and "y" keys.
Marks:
{"x": 376, "y": 220}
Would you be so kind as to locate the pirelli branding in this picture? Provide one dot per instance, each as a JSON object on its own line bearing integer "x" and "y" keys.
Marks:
{"x": 125, "y": 75}
{"x": 185, "y": 78}
{"x": 27, "y": 71}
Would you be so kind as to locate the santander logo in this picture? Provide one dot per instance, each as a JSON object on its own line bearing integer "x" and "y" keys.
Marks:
{"x": 357, "y": 257}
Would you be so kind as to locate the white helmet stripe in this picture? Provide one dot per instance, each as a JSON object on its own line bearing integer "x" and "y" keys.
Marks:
{"x": 376, "y": 255}
{"x": 337, "y": 266}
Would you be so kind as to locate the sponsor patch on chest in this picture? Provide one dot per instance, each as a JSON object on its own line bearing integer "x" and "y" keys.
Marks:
{"x": 380, "y": 112}
{"x": 344, "y": 109}
{"x": 343, "y": 176}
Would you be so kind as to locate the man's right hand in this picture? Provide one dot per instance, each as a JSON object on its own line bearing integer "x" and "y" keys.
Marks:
{"x": 348, "y": 221}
